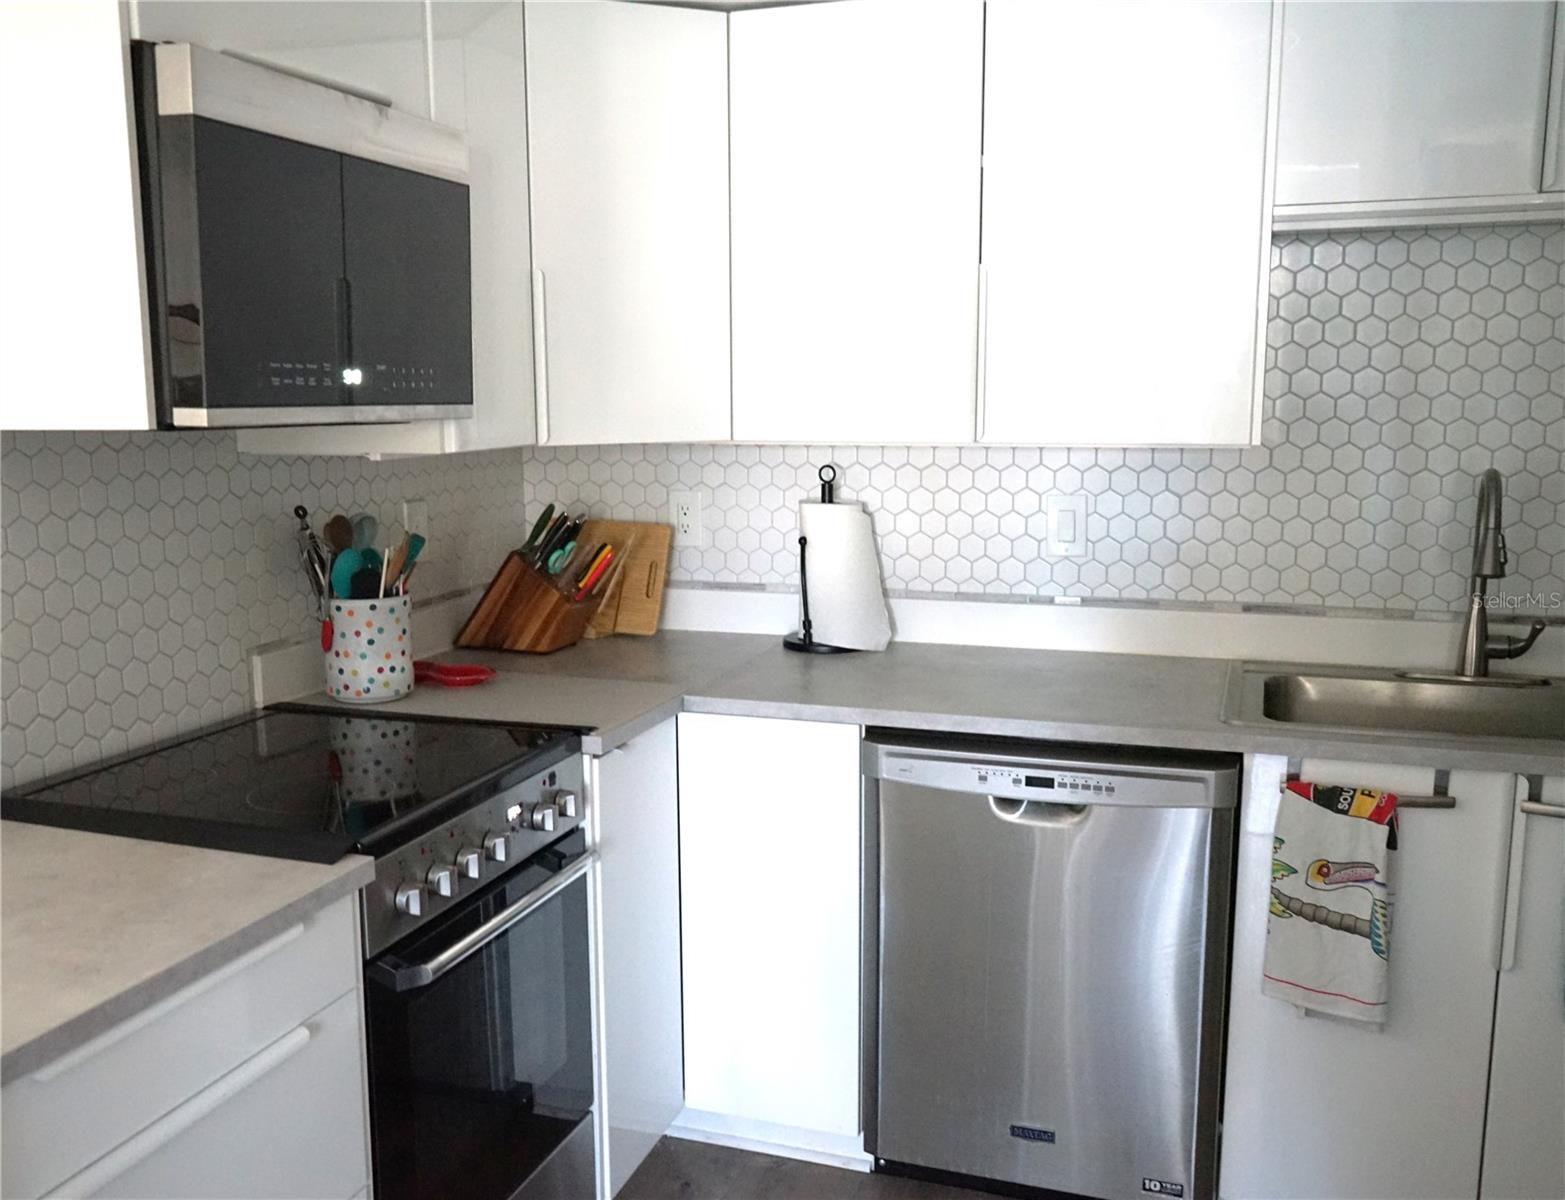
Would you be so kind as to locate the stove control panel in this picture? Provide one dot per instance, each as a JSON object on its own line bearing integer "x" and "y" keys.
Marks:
{"x": 427, "y": 876}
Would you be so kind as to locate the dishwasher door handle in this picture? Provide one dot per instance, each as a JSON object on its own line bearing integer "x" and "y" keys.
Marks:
{"x": 1038, "y": 812}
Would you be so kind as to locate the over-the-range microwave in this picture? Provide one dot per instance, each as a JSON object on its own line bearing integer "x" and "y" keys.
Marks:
{"x": 308, "y": 249}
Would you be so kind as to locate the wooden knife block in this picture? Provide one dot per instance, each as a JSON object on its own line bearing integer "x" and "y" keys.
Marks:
{"x": 521, "y": 610}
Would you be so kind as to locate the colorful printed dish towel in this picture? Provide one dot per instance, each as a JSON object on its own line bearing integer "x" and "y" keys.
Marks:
{"x": 1328, "y": 939}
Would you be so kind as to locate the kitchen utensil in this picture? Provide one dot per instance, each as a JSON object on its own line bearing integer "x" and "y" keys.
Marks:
{"x": 597, "y": 555}
{"x": 338, "y": 533}
{"x": 541, "y": 524}
{"x": 595, "y": 573}
{"x": 560, "y": 557}
{"x": 365, "y": 529}
{"x": 347, "y": 564}
{"x": 633, "y": 596}
{"x": 451, "y": 674}
{"x": 549, "y": 540}
{"x": 395, "y": 561}
{"x": 416, "y": 543}
{"x": 312, "y": 555}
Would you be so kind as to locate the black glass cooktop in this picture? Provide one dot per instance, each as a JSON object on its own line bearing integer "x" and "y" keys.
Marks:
{"x": 294, "y": 782}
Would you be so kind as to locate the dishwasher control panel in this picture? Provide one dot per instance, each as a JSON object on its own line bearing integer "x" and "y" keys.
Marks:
{"x": 1039, "y": 782}
{"x": 1168, "y": 784}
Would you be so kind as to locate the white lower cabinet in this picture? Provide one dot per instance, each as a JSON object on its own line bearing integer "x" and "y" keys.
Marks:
{"x": 248, "y": 1082}
{"x": 769, "y": 843}
{"x": 1325, "y": 1108}
{"x": 1524, "y": 1137}
{"x": 637, "y": 799}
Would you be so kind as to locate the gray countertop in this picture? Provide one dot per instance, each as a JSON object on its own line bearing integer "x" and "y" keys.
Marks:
{"x": 98, "y": 928}
{"x": 620, "y": 686}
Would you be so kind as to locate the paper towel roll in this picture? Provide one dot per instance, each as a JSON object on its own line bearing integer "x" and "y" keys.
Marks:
{"x": 847, "y": 606}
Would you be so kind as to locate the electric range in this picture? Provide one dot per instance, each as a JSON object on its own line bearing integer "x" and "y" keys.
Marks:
{"x": 440, "y": 805}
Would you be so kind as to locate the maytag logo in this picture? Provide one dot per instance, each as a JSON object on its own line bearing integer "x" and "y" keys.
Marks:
{"x": 1031, "y": 1133}
{"x": 1162, "y": 1187}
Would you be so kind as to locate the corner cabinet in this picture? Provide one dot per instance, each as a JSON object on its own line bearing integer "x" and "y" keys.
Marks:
{"x": 1091, "y": 114}
{"x": 855, "y": 193}
{"x": 627, "y": 112}
{"x": 1418, "y": 111}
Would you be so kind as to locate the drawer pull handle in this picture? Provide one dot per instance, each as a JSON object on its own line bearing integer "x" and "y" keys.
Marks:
{"x": 1510, "y": 920}
{"x": 91, "y": 1049}
{"x": 154, "y": 1137}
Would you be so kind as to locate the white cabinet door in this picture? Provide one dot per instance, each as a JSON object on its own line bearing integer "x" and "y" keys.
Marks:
{"x": 627, "y": 109}
{"x": 1524, "y": 1141}
{"x": 637, "y": 801}
{"x": 73, "y": 333}
{"x": 769, "y": 845}
{"x": 855, "y": 182}
{"x": 480, "y": 86}
{"x": 1411, "y": 100}
{"x": 1323, "y": 1108}
{"x": 1096, "y": 116}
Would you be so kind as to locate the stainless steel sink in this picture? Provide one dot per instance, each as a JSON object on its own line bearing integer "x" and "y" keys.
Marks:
{"x": 1404, "y": 702}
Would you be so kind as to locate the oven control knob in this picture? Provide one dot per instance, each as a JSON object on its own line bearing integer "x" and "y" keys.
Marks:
{"x": 566, "y": 804}
{"x": 542, "y": 817}
{"x": 498, "y": 846}
{"x": 441, "y": 879}
{"x": 410, "y": 899}
{"x": 469, "y": 863}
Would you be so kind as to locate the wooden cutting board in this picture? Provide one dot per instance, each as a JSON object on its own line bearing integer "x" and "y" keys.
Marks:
{"x": 635, "y": 603}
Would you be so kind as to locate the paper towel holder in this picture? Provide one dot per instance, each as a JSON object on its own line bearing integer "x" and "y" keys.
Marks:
{"x": 804, "y": 641}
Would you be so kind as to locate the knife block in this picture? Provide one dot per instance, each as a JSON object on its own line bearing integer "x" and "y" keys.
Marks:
{"x": 522, "y": 610}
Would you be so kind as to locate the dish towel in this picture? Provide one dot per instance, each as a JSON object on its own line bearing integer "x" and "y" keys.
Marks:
{"x": 1328, "y": 938}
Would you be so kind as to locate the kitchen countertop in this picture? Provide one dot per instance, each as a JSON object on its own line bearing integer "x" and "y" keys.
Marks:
{"x": 98, "y": 928}
{"x": 620, "y": 686}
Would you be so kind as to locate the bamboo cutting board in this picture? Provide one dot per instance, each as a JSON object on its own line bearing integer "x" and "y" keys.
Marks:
{"x": 635, "y": 603}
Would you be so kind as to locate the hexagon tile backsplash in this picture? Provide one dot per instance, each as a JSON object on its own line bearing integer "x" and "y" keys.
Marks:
{"x": 138, "y": 570}
{"x": 1401, "y": 364}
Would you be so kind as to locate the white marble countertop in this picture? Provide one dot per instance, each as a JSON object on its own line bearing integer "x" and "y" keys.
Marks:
{"x": 96, "y": 928}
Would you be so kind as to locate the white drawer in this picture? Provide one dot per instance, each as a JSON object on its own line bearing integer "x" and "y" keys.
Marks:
{"x": 287, "y": 1124}
{"x": 85, "y": 1103}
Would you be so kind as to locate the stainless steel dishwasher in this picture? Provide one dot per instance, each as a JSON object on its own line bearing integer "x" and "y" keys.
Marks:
{"x": 1046, "y": 945}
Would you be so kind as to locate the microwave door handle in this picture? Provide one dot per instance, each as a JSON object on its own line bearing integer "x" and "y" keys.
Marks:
{"x": 409, "y": 977}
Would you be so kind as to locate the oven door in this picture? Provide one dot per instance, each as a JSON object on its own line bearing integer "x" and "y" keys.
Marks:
{"x": 480, "y": 1043}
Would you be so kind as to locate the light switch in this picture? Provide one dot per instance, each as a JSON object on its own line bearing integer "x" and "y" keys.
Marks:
{"x": 1067, "y": 527}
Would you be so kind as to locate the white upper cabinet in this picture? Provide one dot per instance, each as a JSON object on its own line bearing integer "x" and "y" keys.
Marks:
{"x": 855, "y": 193}
{"x": 628, "y": 138}
{"x": 375, "y": 46}
{"x": 1412, "y": 101}
{"x": 72, "y": 304}
{"x": 1095, "y": 332}
{"x": 480, "y": 86}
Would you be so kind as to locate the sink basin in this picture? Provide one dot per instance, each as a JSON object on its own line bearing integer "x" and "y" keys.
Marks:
{"x": 1407, "y": 702}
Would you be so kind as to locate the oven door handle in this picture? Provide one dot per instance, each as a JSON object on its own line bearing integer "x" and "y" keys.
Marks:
{"x": 411, "y": 976}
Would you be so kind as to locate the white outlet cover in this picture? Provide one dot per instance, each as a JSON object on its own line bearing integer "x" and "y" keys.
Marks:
{"x": 1067, "y": 527}
{"x": 688, "y": 531}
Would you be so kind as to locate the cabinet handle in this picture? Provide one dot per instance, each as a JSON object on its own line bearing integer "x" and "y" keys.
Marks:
{"x": 88, "y": 1050}
{"x": 541, "y": 355}
{"x": 1511, "y": 921}
{"x": 981, "y": 382}
{"x": 130, "y": 1154}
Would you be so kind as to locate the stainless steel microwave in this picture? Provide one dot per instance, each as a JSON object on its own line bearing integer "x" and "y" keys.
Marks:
{"x": 308, "y": 249}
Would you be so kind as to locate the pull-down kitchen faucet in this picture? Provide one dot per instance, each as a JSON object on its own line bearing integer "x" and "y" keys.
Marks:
{"x": 1489, "y": 560}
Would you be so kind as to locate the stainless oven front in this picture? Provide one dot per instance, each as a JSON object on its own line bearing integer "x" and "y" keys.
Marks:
{"x": 480, "y": 1042}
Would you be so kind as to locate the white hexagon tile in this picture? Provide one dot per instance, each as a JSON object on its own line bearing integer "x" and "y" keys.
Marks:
{"x": 1400, "y": 364}
{"x": 139, "y": 570}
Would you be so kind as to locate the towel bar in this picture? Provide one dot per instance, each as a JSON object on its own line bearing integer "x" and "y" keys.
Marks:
{"x": 1425, "y": 801}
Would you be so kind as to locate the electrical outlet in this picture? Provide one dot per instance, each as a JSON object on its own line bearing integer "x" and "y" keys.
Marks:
{"x": 415, "y": 516}
{"x": 685, "y": 516}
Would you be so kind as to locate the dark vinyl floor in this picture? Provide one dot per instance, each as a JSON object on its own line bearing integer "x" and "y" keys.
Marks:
{"x": 681, "y": 1170}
